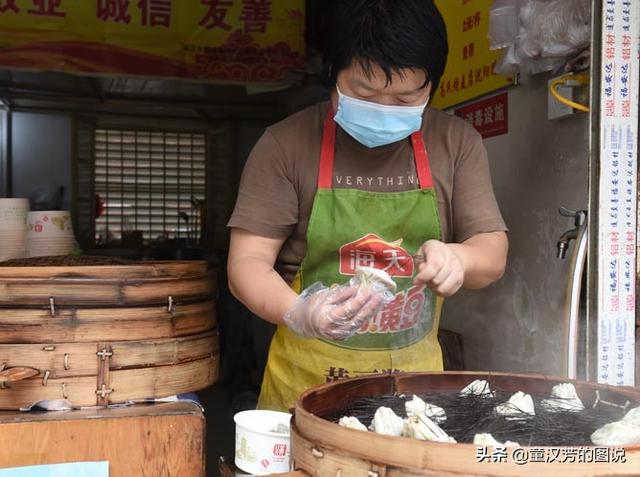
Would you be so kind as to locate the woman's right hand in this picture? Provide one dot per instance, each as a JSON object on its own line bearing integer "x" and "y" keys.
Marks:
{"x": 333, "y": 313}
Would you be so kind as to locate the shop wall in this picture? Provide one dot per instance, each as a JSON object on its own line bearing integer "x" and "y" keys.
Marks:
{"x": 516, "y": 324}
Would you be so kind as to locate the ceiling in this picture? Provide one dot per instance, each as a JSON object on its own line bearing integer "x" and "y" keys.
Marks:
{"x": 48, "y": 91}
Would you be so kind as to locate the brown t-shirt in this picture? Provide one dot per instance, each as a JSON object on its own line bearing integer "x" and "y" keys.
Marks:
{"x": 280, "y": 178}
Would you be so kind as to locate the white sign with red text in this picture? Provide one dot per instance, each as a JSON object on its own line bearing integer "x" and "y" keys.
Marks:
{"x": 618, "y": 192}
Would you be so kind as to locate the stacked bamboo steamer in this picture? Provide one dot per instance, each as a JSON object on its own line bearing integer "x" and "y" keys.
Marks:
{"x": 100, "y": 331}
{"x": 322, "y": 447}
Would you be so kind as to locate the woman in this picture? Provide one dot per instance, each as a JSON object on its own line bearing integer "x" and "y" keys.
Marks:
{"x": 374, "y": 177}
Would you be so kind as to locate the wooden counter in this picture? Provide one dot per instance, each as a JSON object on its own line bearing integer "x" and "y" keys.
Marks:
{"x": 159, "y": 440}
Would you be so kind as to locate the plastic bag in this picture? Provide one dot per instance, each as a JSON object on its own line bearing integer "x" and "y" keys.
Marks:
{"x": 539, "y": 35}
{"x": 504, "y": 23}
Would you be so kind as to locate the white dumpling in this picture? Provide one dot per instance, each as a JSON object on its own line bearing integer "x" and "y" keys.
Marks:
{"x": 352, "y": 423}
{"x": 479, "y": 387}
{"x": 633, "y": 416}
{"x": 563, "y": 397}
{"x": 387, "y": 422}
{"x": 485, "y": 440}
{"x": 424, "y": 429}
{"x": 519, "y": 406}
{"x": 369, "y": 276}
{"x": 619, "y": 433}
{"x": 488, "y": 440}
{"x": 417, "y": 407}
{"x": 436, "y": 413}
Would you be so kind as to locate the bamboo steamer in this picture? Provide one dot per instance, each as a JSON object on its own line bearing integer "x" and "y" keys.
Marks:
{"x": 110, "y": 285}
{"x": 323, "y": 448}
{"x": 39, "y": 325}
{"x": 96, "y": 334}
{"x": 131, "y": 370}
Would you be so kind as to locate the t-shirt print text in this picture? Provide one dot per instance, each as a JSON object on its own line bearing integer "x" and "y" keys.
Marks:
{"x": 376, "y": 181}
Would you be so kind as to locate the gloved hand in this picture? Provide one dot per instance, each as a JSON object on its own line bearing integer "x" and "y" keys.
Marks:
{"x": 335, "y": 313}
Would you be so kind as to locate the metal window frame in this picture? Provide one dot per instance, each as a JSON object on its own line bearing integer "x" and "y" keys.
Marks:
{"x": 5, "y": 152}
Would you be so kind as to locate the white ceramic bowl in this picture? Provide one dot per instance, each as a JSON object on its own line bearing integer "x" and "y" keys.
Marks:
{"x": 13, "y": 235}
{"x": 13, "y": 214}
{"x": 45, "y": 249}
{"x": 259, "y": 449}
{"x": 50, "y": 241}
{"x": 56, "y": 223}
{"x": 13, "y": 243}
{"x": 11, "y": 254}
{"x": 14, "y": 202}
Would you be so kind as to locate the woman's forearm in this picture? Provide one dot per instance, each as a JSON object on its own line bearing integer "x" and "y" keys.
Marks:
{"x": 484, "y": 258}
{"x": 259, "y": 287}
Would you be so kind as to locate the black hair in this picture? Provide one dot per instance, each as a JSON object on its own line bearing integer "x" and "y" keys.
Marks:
{"x": 393, "y": 34}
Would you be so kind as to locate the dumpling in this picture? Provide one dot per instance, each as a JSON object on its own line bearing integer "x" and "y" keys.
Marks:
{"x": 368, "y": 276}
{"x": 417, "y": 407}
{"x": 424, "y": 429}
{"x": 352, "y": 423}
{"x": 624, "y": 432}
{"x": 519, "y": 406}
{"x": 563, "y": 397}
{"x": 633, "y": 416}
{"x": 479, "y": 387}
{"x": 619, "y": 433}
{"x": 387, "y": 422}
{"x": 488, "y": 440}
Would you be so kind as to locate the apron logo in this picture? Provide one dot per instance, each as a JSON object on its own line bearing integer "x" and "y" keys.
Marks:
{"x": 402, "y": 314}
{"x": 373, "y": 251}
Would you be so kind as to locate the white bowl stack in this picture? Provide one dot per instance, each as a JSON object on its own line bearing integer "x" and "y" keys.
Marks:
{"x": 49, "y": 233}
{"x": 13, "y": 228}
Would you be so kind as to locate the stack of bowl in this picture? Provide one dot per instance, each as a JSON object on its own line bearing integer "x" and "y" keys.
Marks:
{"x": 49, "y": 233}
{"x": 13, "y": 228}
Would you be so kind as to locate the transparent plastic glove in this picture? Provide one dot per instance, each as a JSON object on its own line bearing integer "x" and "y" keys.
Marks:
{"x": 336, "y": 313}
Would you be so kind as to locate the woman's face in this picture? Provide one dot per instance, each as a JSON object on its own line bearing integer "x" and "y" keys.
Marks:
{"x": 405, "y": 89}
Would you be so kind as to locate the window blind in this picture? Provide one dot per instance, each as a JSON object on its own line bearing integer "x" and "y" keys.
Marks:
{"x": 149, "y": 181}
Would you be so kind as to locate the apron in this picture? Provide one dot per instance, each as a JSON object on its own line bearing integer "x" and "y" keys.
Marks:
{"x": 350, "y": 228}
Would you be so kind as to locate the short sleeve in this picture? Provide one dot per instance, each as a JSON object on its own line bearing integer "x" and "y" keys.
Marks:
{"x": 474, "y": 205}
{"x": 267, "y": 202}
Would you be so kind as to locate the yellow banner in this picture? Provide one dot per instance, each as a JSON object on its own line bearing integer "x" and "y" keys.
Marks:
{"x": 470, "y": 69}
{"x": 241, "y": 41}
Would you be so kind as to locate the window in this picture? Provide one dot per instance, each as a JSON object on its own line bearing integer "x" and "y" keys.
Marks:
{"x": 149, "y": 183}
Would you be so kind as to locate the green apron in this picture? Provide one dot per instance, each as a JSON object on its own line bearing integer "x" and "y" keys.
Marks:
{"x": 350, "y": 228}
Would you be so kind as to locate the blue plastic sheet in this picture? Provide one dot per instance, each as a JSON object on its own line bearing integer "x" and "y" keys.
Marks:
{"x": 75, "y": 469}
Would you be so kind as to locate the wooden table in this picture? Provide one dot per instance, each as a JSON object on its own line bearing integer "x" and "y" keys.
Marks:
{"x": 163, "y": 439}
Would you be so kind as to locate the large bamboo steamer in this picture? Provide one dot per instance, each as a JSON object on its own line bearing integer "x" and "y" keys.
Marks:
{"x": 134, "y": 370}
{"x": 323, "y": 448}
{"x": 114, "y": 291}
{"x": 102, "y": 269}
{"x": 97, "y": 334}
{"x": 40, "y": 325}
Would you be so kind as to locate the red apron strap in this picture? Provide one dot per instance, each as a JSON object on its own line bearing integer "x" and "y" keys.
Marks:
{"x": 422, "y": 161}
{"x": 327, "y": 153}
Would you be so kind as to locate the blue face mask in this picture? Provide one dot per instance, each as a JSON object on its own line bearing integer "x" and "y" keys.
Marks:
{"x": 373, "y": 124}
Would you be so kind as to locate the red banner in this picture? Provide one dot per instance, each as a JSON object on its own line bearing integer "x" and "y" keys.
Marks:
{"x": 490, "y": 116}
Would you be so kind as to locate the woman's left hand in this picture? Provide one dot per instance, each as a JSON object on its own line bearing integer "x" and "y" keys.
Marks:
{"x": 442, "y": 270}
